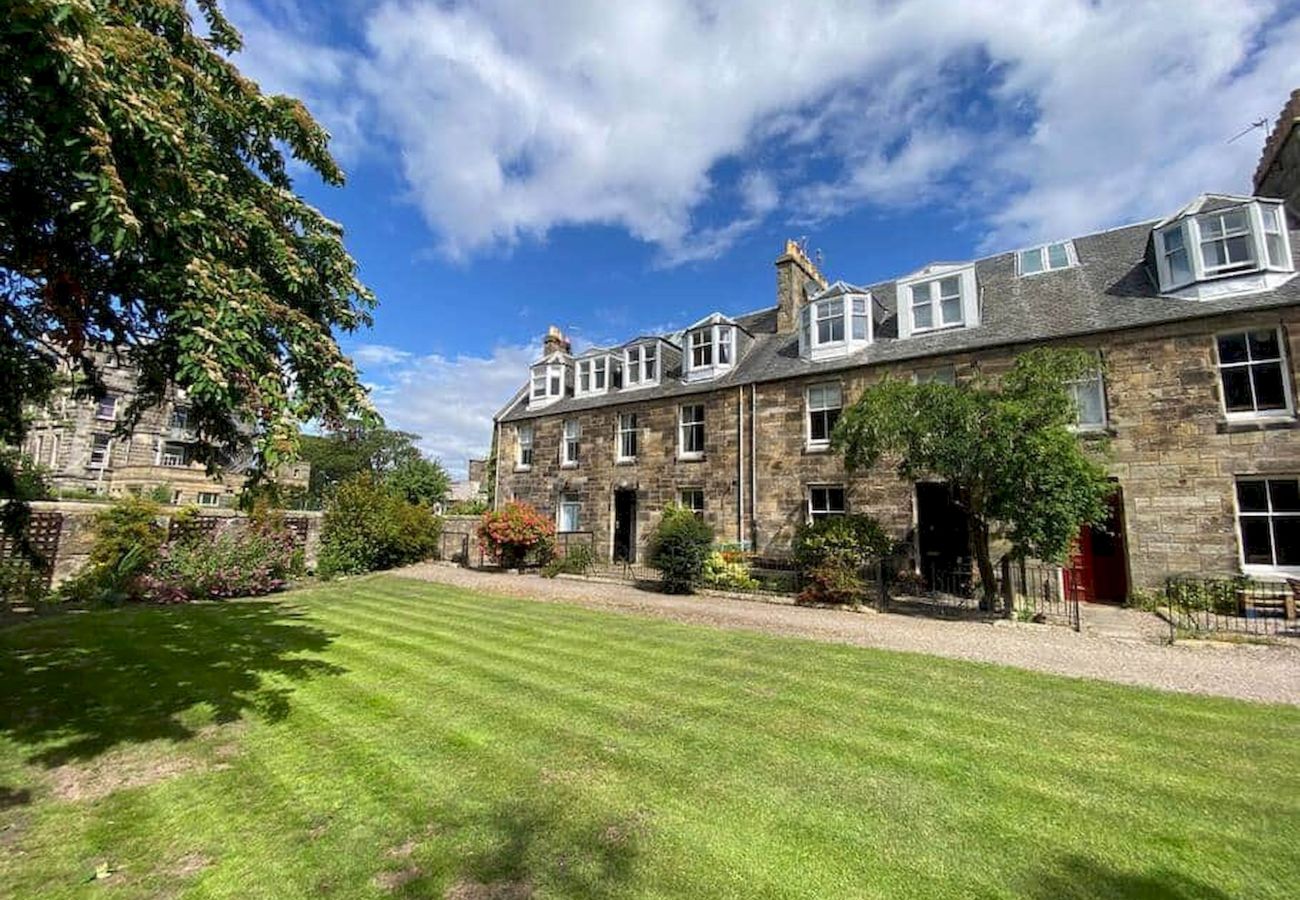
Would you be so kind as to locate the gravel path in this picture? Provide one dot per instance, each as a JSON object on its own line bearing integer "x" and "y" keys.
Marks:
{"x": 1244, "y": 671}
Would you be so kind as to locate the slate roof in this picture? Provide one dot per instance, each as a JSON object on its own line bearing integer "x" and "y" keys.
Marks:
{"x": 1111, "y": 289}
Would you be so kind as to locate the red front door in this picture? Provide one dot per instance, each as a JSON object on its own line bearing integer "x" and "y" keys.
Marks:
{"x": 1099, "y": 568}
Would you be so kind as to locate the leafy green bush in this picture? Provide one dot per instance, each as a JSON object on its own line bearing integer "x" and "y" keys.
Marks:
{"x": 21, "y": 583}
{"x": 128, "y": 539}
{"x": 725, "y": 573}
{"x": 160, "y": 494}
{"x": 576, "y": 561}
{"x": 831, "y": 554}
{"x": 1221, "y": 596}
{"x": 367, "y": 527}
{"x": 679, "y": 547}
{"x": 516, "y": 532}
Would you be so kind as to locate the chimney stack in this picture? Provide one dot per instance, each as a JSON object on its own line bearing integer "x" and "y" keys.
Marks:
{"x": 555, "y": 342}
{"x": 794, "y": 272}
{"x": 1278, "y": 173}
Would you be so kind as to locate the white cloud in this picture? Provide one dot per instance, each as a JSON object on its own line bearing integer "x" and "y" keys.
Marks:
{"x": 449, "y": 401}
{"x": 1037, "y": 119}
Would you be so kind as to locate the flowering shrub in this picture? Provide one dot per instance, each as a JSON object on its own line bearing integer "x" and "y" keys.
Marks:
{"x": 832, "y": 553}
{"x": 236, "y": 562}
{"x": 513, "y": 533}
{"x": 724, "y": 569}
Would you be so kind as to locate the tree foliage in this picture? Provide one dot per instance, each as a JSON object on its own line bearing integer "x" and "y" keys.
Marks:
{"x": 368, "y": 526}
{"x": 388, "y": 456}
{"x": 145, "y": 206}
{"x": 679, "y": 548}
{"x": 1004, "y": 446}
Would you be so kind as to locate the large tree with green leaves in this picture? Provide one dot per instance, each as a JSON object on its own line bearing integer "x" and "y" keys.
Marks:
{"x": 367, "y": 448}
{"x": 1005, "y": 447}
{"x": 145, "y": 206}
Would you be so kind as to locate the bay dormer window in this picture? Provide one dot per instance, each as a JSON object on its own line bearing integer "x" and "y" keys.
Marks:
{"x": 548, "y": 382}
{"x": 641, "y": 365}
{"x": 1235, "y": 247}
{"x": 937, "y": 298}
{"x": 835, "y": 322}
{"x": 710, "y": 348}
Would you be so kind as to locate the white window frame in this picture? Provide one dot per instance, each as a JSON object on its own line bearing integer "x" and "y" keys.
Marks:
{"x": 691, "y": 492}
{"x": 814, "y": 513}
{"x": 714, "y": 341}
{"x": 569, "y": 503}
{"x": 1261, "y": 568}
{"x": 1255, "y": 414}
{"x": 1191, "y": 228}
{"x": 216, "y": 497}
{"x": 1247, "y": 231}
{"x": 626, "y": 429}
{"x": 523, "y": 447}
{"x": 810, "y": 410}
{"x": 684, "y": 426}
{"x": 551, "y": 379}
{"x": 967, "y": 297}
{"x": 107, "y": 402}
{"x": 596, "y": 371}
{"x": 1093, "y": 380}
{"x": 1043, "y": 252}
{"x": 641, "y": 366}
{"x": 854, "y": 309}
{"x": 171, "y": 460}
{"x": 571, "y": 445}
{"x": 104, "y": 451}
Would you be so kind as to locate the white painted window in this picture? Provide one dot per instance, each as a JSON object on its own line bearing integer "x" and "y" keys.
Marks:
{"x": 174, "y": 455}
{"x": 641, "y": 365}
{"x": 710, "y": 350}
{"x": 524, "y": 437}
{"x": 937, "y": 304}
{"x": 547, "y": 383}
{"x": 825, "y": 501}
{"x": 570, "y": 513}
{"x": 1089, "y": 395}
{"x": 106, "y": 407}
{"x": 1047, "y": 258}
{"x": 627, "y": 437}
{"x": 690, "y": 431}
{"x": 1268, "y": 521}
{"x": 99, "y": 449}
{"x": 650, "y": 362}
{"x": 834, "y": 326}
{"x": 1178, "y": 262}
{"x": 572, "y": 441}
{"x": 692, "y": 499}
{"x": 861, "y": 330}
{"x": 210, "y": 498}
{"x": 1253, "y": 373}
{"x": 1275, "y": 236}
{"x": 1226, "y": 243}
{"x": 633, "y": 365}
{"x": 1243, "y": 239}
{"x": 702, "y": 348}
{"x": 824, "y": 402}
{"x": 936, "y": 375}
{"x": 725, "y": 337}
{"x": 829, "y": 315}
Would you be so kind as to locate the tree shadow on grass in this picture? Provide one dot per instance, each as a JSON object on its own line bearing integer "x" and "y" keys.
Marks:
{"x": 1080, "y": 878}
{"x": 78, "y": 685}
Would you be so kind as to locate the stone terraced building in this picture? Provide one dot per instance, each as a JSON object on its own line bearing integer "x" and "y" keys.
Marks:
{"x": 1196, "y": 318}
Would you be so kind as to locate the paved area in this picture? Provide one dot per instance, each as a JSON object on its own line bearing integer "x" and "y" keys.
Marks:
{"x": 1131, "y": 656}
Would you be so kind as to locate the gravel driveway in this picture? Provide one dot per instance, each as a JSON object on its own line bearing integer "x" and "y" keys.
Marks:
{"x": 1245, "y": 671}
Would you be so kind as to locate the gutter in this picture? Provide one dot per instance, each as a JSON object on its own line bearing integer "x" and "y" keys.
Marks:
{"x": 740, "y": 464}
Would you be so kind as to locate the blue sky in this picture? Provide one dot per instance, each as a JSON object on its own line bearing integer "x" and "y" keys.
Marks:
{"x": 617, "y": 168}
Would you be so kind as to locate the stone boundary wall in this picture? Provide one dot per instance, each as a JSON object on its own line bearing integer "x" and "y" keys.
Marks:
{"x": 459, "y": 541}
{"x": 76, "y": 532}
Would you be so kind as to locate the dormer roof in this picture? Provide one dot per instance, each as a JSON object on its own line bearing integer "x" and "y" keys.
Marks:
{"x": 838, "y": 289}
{"x": 1204, "y": 203}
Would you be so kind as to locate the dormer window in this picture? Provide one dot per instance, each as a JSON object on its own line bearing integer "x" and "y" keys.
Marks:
{"x": 1222, "y": 245}
{"x": 548, "y": 382}
{"x": 641, "y": 365}
{"x": 938, "y": 297}
{"x": 834, "y": 322}
{"x": 597, "y": 374}
{"x": 710, "y": 348}
{"x": 1047, "y": 258}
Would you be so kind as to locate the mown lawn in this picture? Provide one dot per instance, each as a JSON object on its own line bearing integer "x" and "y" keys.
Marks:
{"x": 390, "y": 738}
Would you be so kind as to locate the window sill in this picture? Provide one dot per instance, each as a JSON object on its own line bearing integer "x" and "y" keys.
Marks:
{"x": 1093, "y": 431}
{"x": 690, "y": 457}
{"x": 569, "y": 465}
{"x": 630, "y": 461}
{"x": 810, "y": 447}
{"x": 1238, "y": 425}
{"x": 1255, "y": 570}
{"x": 523, "y": 468}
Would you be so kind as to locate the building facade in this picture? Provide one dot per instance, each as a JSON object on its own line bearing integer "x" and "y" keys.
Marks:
{"x": 1195, "y": 320}
{"x": 82, "y": 446}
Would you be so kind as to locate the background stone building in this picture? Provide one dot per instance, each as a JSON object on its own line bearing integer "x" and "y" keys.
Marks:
{"x": 1195, "y": 319}
{"x": 79, "y": 443}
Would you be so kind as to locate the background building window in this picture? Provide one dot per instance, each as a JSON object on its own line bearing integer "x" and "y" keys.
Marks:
{"x": 106, "y": 408}
{"x": 1268, "y": 516}
{"x": 1252, "y": 371}
{"x": 1089, "y": 394}
{"x": 570, "y": 512}
{"x": 691, "y": 430}
{"x": 824, "y": 404}
{"x": 825, "y": 501}
{"x": 572, "y": 437}
{"x": 99, "y": 445}
{"x": 693, "y": 499}
{"x": 209, "y": 498}
{"x": 180, "y": 418}
{"x": 174, "y": 455}
{"x": 525, "y": 433}
{"x": 627, "y": 436}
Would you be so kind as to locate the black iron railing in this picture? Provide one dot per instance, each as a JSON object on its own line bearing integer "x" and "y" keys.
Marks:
{"x": 1232, "y": 604}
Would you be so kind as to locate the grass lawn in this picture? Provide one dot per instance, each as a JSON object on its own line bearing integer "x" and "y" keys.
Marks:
{"x": 383, "y": 737}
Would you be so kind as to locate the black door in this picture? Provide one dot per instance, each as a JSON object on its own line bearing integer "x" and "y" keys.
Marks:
{"x": 942, "y": 538}
{"x": 625, "y": 526}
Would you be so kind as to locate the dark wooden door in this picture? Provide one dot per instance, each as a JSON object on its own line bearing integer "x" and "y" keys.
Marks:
{"x": 625, "y": 526}
{"x": 943, "y": 541}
